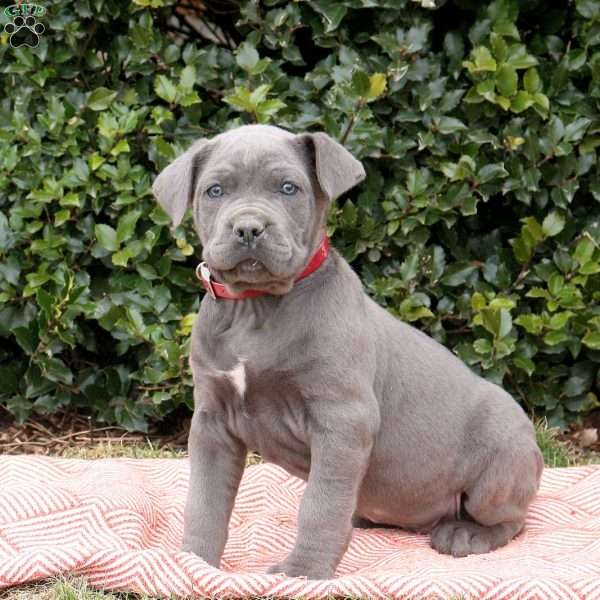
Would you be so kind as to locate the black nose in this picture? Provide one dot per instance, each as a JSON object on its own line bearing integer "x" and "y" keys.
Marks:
{"x": 248, "y": 230}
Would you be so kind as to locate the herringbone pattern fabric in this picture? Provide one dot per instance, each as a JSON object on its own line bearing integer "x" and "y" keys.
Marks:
{"x": 119, "y": 523}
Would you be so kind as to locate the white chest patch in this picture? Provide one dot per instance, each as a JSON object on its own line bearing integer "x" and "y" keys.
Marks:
{"x": 237, "y": 375}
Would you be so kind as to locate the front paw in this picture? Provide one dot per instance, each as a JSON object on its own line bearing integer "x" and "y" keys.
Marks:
{"x": 300, "y": 568}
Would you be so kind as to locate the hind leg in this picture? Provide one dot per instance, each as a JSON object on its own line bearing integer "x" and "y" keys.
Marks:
{"x": 496, "y": 504}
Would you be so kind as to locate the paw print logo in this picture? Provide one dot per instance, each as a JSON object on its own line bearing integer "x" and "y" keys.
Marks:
{"x": 24, "y": 31}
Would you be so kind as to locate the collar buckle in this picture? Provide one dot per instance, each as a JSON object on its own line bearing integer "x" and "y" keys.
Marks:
{"x": 205, "y": 276}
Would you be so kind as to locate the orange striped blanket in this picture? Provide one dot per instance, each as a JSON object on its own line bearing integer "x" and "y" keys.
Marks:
{"x": 118, "y": 522}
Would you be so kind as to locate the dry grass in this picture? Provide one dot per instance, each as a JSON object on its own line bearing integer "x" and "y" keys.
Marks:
{"x": 71, "y": 434}
{"x": 556, "y": 452}
{"x": 67, "y": 588}
{"x": 114, "y": 449}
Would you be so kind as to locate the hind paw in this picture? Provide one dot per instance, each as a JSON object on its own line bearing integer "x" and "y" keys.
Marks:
{"x": 461, "y": 538}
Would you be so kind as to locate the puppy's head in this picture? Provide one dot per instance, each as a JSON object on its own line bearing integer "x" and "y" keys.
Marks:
{"x": 259, "y": 196}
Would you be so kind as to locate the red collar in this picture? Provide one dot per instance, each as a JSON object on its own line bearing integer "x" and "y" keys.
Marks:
{"x": 218, "y": 290}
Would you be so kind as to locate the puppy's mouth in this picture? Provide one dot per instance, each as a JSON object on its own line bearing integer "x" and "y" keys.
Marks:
{"x": 249, "y": 266}
{"x": 234, "y": 263}
{"x": 250, "y": 270}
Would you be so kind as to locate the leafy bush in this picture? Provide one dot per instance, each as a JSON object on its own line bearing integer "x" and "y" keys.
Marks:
{"x": 477, "y": 122}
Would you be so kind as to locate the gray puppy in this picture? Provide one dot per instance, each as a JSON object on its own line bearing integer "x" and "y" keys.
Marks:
{"x": 385, "y": 425}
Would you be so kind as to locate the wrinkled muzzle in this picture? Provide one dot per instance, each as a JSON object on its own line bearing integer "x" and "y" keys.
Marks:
{"x": 251, "y": 243}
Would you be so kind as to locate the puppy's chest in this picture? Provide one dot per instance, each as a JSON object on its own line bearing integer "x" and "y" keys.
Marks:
{"x": 264, "y": 407}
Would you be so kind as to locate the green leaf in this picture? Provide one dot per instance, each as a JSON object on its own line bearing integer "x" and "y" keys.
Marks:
{"x": 188, "y": 99}
{"x": 120, "y": 146}
{"x": 241, "y": 99}
{"x": 71, "y": 199}
{"x": 503, "y": 102}
{"x": 482, "y": 346}
{"x": 532, "y": 81}
{"x": 491, "y": 171}
{"x": 531, "y": 323}
{"x": 27, "y": 338}
{"x": 469, "y": 206}
{"x": 417, "y": 181}
{"x": 518, "y": 57}
{"x": 61, "y": 217}
{"x": 534, "y": 229}
{"x": 486, "y": 89}
{"x": 419, "y": 312}
{"x": 10, "y": 375}
{"x": 95, "y": 161}
{"x": 499, "y": 47}
{"x": 522, "y": 248}
{"x": 107, "y": 237}
{"x": 122, "y": 257}
{"x": 392, "y": 227}
{"x": 497, "y": 322}
{"x": 584, "y": 250}
{"x": 478, "y": 301}
{"x": 506, "y": 80}
{"x": 521, "y": 101}
{"x": 186, "y": 323}
{"x": 165, "y": 88}
{"x": 458, "y": 273}
{"x": 559, "y": 320}
{"x": 188, "y": 77}
{"x": 576, "y": 385}
{"x": 247, "y": 57}
{"x": 6, "y": 236}
{"x": 464, "y": 169}
{"x": 525, "y": 364}
{"x": 542, "y": 101}
{"x": 360, "y": 83}
{"x": 482, "y": 61}
{"x": 589, "y": 268}
{"x": 259, "y": 94}
{"x": 349, "y": 214}
{"x": 553, "y": 224}
{"x": 101, "y": 98}
{"x": 268, "y": 108}
{"x": 556, "y": 283}
{"x": 590, "y": 9}
{"x": 536, "y": 292}
{"x": 377, "y": 85}
{"x": 333, "y": 13}
{"x": 56, "y": 370}
{"x": 446, "y": 125}
{"x": 592, "y": 340}
{"x": 513, "y": 142}
{"x": 576, "y": 59}
{"x": 126, "y": 226}
{"x": 575, "y": 131}
{"x": 554, "y": 338}
{"x": 409, "y": 268}
{"x": 506, "y": 29}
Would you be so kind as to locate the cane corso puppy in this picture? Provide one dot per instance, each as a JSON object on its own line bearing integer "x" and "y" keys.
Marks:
{"x": 298, "y": 363}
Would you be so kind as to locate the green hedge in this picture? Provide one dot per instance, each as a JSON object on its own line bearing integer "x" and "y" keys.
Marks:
{"x": 478, "y": 221}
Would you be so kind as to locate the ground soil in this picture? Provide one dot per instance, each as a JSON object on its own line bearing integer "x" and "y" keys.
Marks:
{"x": 60, "y": 433}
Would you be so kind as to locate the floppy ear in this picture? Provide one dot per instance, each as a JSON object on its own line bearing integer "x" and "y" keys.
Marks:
{"x": 337, "y": 170}
{"x": 175, "y": 185}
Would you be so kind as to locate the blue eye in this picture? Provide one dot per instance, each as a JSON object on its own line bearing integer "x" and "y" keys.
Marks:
{"x": 214, "y": 191}
{"x": 288, "y": 188}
